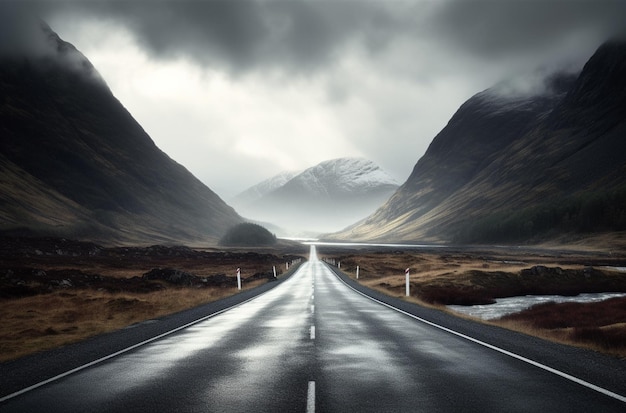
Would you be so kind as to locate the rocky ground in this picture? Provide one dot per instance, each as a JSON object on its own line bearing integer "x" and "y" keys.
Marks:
{"x": 56, "y": 291}
{"x": 472, "y": 275}
{"x": 43, "y": 265}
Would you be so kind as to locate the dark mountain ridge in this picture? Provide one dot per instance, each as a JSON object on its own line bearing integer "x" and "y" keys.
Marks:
{"x": 75, "y": 163}
{"x": 511, "y": 156}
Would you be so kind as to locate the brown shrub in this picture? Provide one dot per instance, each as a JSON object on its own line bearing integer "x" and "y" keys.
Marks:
{"x": 574, "y": 315}
{"x": 613, "y": 337}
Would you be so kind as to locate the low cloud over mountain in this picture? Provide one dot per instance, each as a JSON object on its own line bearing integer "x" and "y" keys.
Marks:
{"x": 520, "y": 167}
{"x": 75, "y": 163}
{"x": 328, "y": 196}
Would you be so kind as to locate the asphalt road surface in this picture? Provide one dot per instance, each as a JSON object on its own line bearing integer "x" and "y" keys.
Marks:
{"x": 312, "y": 343}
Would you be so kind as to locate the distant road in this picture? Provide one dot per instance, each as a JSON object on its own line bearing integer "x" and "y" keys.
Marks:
{"x": 314, "y": 344}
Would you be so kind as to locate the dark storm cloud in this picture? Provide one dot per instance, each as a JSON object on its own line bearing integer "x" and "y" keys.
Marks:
{"x": 231, "y": 31}
{"x": 490, "y": 29}
{"x": 303, "y": 36}
{"x": 374, "y": 76}
{"x": 243, "y": 34}
{"x": 20, "y": 31}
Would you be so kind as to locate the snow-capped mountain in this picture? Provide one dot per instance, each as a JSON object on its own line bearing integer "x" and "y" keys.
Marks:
{"x": 257, "y": 191}
{"x": 343, "y": 177}
{"x": 326, "y": 197}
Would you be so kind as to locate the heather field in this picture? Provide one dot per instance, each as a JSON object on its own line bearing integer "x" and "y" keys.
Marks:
{"x": 54, "y": 292}
{"x": 467, "y": 276}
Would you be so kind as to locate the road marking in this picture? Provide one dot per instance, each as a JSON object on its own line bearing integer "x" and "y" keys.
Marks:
{"x": 310, "y": 398}
{"x": 312, "y": 332}
{"x": 312, "y": 308}
{"x": 125, "y": 350}
{"x": 492, "y": 347}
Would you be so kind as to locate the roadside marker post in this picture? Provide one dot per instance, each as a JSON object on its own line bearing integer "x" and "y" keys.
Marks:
{"x": 274, "y": 269}
{"x": 287, "y": 266}
{"x": 239, "y": 278}
{"x": 357, "y": 272}
{"x": 406, "y": 273}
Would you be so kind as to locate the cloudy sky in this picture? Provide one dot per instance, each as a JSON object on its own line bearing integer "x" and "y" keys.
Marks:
{"x": 238, "y": 91}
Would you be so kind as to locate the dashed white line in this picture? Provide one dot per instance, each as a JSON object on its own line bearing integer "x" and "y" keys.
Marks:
{"x": 312, "y": 308}
{"x": 310, "y": 398}
{"x": 312, "y": 332}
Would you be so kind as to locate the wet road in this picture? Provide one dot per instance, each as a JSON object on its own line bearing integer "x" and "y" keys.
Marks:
{"x": 312, "y": 344}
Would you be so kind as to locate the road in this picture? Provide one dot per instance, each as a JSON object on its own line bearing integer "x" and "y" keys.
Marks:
{"x": 314, "y": 344}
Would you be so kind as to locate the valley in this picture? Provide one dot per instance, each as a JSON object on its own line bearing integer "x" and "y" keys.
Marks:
{"x": 108, "y": 245}
{"x": 55, "y": 291}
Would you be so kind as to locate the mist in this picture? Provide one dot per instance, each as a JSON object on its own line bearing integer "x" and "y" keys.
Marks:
{"x": 240, "y": 90}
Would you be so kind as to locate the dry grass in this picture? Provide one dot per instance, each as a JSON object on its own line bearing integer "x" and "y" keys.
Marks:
{"x": 46, "y": 321}
{"x": 36, "y": 314}
{"x": 445, "y": 277}
{"x": 600, "y": 326}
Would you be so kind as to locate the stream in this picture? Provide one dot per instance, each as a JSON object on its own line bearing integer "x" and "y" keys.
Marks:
{"x": 509, "y": 305}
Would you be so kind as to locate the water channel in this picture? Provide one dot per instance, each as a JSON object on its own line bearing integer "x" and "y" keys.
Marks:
{"x": 510, "y": 305}
{"x": 503, "y": 306}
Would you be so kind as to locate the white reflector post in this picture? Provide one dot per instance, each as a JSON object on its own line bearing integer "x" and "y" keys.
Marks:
{"x": 406, "y": 273}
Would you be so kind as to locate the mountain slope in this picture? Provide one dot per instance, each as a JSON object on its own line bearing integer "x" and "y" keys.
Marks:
{"x": 254, "y": 193}
{"x": 338, "y": 178}
{"x": 75, "y": 163}
{"x": 506, "y": 167}
{"x": 327, "y": 196}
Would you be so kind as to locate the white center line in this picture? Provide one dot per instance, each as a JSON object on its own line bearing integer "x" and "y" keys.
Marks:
{"x": 312, "y": 332}
{"x": 310, "y": 398}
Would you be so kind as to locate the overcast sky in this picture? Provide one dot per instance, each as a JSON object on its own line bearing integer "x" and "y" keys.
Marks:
{"x": 238, "y": 91}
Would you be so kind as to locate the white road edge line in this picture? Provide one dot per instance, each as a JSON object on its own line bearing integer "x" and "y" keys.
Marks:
{"x": 310, "y": 398}
{"x": 117, "y": 353}
{"x": 508, "y": 353}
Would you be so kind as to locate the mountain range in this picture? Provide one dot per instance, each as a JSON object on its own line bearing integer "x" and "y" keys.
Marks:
{"x": 510, "y": 165}
{"x": 519, "y": 166}
{"x": 327, "y": 196}
{"x": 74, "y": 162}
